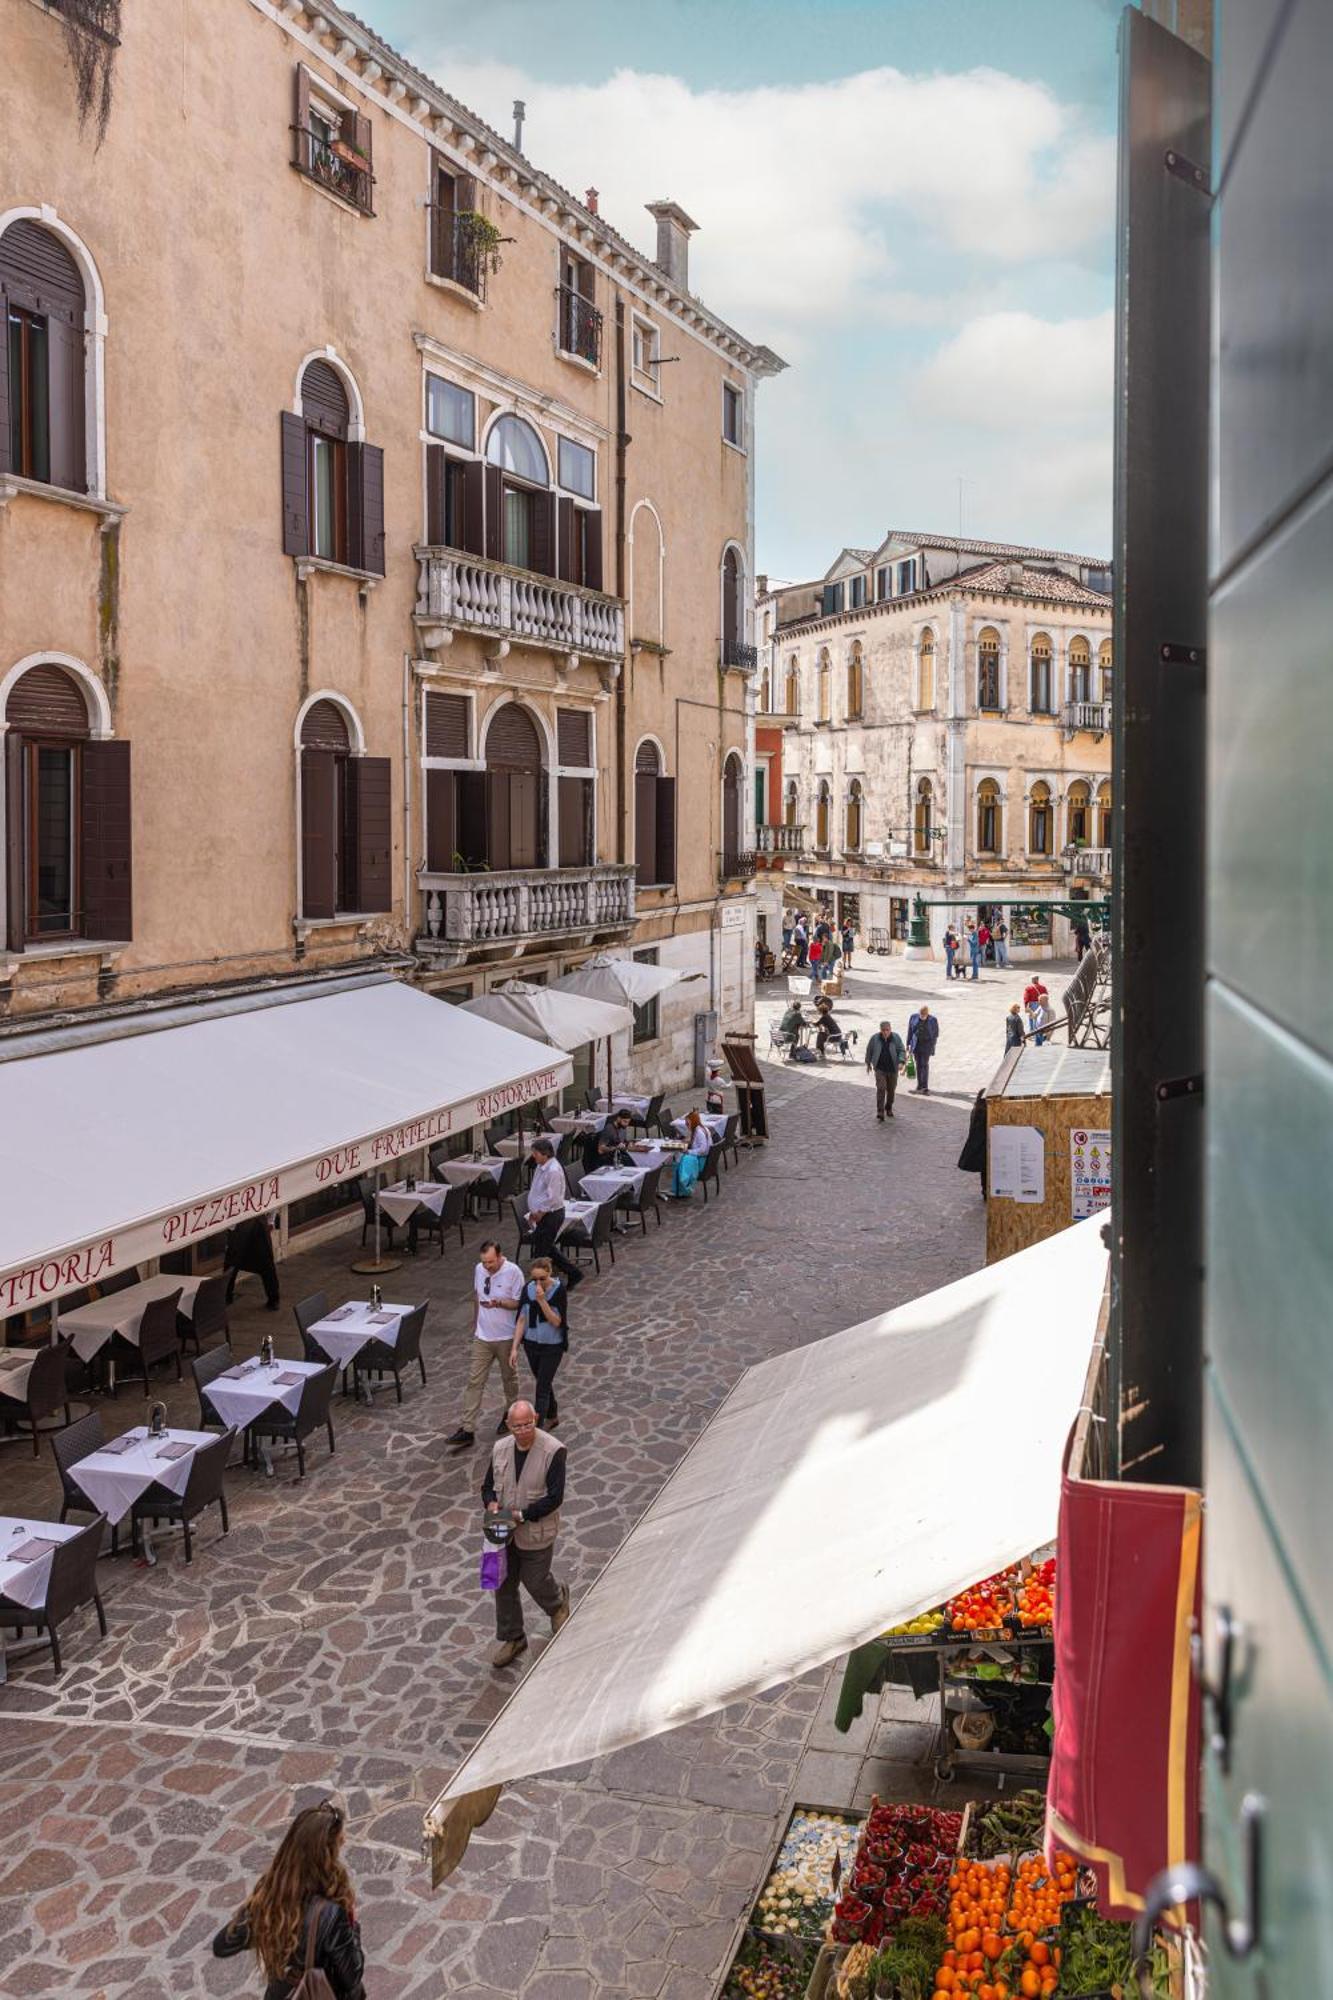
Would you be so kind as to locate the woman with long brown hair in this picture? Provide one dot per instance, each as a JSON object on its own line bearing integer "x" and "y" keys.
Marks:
{"x": 300, "y": 1915}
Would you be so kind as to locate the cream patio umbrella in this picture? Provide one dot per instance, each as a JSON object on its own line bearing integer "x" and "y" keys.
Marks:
{"x": 548, "y": 1014}
{"x": 623, "y": 982}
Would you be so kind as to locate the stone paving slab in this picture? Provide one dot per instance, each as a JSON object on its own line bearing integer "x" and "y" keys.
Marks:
{"x": 336, "y": 1638}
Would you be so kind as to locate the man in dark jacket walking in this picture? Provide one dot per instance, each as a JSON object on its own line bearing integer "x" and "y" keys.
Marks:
{"x": 923, "y": 1032}
{"x": 885, "y": 1056}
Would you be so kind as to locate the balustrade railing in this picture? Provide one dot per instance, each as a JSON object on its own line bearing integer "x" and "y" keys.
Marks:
{"x": 1091, "y": 715}
{"x": 497, "y": 906}
{"x": 1087, "y": 861}
{"x": 779, "y": 839}
{"x": 479, "y": 596}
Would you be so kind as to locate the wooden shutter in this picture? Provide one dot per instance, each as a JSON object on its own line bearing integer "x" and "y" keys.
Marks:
{"x": 646, "y": 758}
{"x": 465, "y": 194}
{"x": 295, "y": 490}
{"x": 493, "y": 546}
{"x": 4, "y": 382}
{"x": 574, "y": 797}
{"x": 324, "y": 404}
{"x": 512, "y": 739}
{"x": 65, "y": 365}
{"x": 371, "y": 786}
{"x": 473, "y": 795}
{"x": 567, "y": 569}
{"x": 301, "y": 118}
{"x": 442, "y": 840}
{"x": 541, "y": 548}
{"x": 645, "y": 826}
{"x": 104, "y": 840}
{"x": 446, "y": 725}
{"x": 592, "y": 547}
{"x": 437, "y": 469}
{"x": 666, "y": 829}
{"x": 46, "y": 701}
{"x": 319, "y": 880}
{"x": 365, "y": 495}
{"x": 525, "y": 841}
{"x": 497, "y": 819}
{"x": 16, "y": 859}
{"x": 573, "y": 731}
{"x": 470, "y": 532}
{"x": 731, "y": 812}
{"x": 360, "y": 135}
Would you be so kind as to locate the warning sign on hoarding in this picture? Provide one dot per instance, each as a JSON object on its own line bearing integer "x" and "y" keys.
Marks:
{"x": 1089, "y": 1172}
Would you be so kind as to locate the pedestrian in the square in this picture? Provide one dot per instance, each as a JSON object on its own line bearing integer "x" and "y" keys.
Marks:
{"x": 300, "y": 1917}
{"x": 950, "y": 950}
{"x": 983, "y": 939}
{"x": 525, "y": 1479}
{"x": 1000, "y": 939}
{"x": 848, "y": 945}
{"x": 923, "y": 1033}
{"x": 885, "y": 1056}
{"x": 542, "y": 1329}
{"x": 815, "y": 957}
{"x": 1014, "y": 1030}
{"x": 1082, "y": 937}
{"x": 497, "y": 1287}
{"x": 801, "y": 939}
{"x": 249, "y": 1247}
{"x": 974, "y": 948}
{"x": 1042, "y": 1019}
{"x": 548, "y": 1192}
{"x": 972, "y": 1159}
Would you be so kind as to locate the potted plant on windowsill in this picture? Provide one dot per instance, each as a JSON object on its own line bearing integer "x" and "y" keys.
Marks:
{"x": 481, "y": 238}
{"x": 345, "y": 151}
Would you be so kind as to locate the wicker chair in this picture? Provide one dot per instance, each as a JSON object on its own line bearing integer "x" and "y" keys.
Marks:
{"x": 209, "y": 1315}
{"x": 158, "y": 1340}
{"x": 369, "y": 1210}
{"x": 597, "y": 1238}
{"x": 647, "y": 1201}
{"x": 72, "y": 1584}
{"x": 502, "y": 1190}
{"x": 295, "y": 1426}
{"x": 44, "y": 1394}
{"x": 80, "y": 1441}
{"x": 377, "y": 1357}
{"x": 519, "y": 1205}
{"x": 203, "y": 1488}
{"x": 308, "y": 1310}
{"x": 708, "y": 1173}
{"x": 205, "y": 1369}
{"x": 727, "y": 1141}
{"x": 451, "y": 1216}
{"x": 649, "y": 1120}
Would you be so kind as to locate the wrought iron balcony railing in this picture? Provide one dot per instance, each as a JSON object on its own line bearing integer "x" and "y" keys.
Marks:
{"x": 456, "y": 250}
{"x": 580, "y": 326}
{"x": 735, "y": 867}
{"x": 335, "y": 165}
{"x": 735, "y": 653}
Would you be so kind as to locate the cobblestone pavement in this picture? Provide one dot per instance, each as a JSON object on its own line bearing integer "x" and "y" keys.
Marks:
{"x": 336, "y": 1637}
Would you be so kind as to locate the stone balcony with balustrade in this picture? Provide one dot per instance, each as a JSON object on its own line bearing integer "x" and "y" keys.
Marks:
{"x": 502, "y": 912}
{"x": 1090, "y": 861}
{"x": 1090, "y": 715}
{"x": 464, "y": 593}
{"x": 773, "y": 844}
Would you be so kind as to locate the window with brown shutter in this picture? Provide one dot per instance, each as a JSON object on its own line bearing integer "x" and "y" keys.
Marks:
{"x": 654, "y": 817}
{"x": 332, "y": 488}
{"x": 42, "y": 359}
{"x": 456, "y": 252}
{"x": 446, "y": 725}
{"x": 575, "y": 802}
{"x": 331, "y": 143}
{"x": 370, "y": 785}
{"x": 573, "y": 729}
{"x": 365, "y": 494}
{"x": 515, "y": 790}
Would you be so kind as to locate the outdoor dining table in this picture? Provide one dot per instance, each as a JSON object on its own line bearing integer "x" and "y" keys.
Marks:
{"x": 344, "y": 1332}
{"x": 242, "y": 1393}
{"x": 621, "y": 1101}
{"x": 463, "y": 1173}
{"x": 401, "y": 1202}
{"x": 664, "y": 1154}
{"x": 606, "y": 1183}
{"x": 90, "y": 1327}
{"x": 579, "y": 1121}
{"x": 716, "y": 1122}
{"x": 24, "y": 1580}
{"x": 114, "y": 1476}
{"x": 14, "y": 1372}
{"x": 511, "y": 1149}
{"x": 577, "y": 1212}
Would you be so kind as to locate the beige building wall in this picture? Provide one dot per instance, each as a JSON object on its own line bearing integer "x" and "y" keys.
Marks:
{"x": 213, "y": 271}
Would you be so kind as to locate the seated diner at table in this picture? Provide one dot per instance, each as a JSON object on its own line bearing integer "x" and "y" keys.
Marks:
{"x": 827, "y": 1025}
{"x": 691, "y": 1162}
{"x": 793, "y": 1020}
{"x": 610, "y": 1146}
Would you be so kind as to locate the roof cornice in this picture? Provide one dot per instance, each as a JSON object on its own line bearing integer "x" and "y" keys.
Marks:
{"x": 407, "y": 94}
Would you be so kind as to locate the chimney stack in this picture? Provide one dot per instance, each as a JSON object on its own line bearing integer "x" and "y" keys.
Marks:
{"x": 674, "y": 230}
{"x": 590, "y": 200}
{"x": 520, "y": 113}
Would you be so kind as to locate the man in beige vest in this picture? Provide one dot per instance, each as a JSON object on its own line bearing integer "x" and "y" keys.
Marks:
{"x": 526, "y": 1478}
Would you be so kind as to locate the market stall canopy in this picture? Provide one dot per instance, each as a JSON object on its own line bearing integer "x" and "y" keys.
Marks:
{"x": 801, "y": 899}
{"x": 841, "y": 1488}
{"x": 163, "y": 1129}
{"x": 549, "y": 1014}
{"x": 623, "y": 982}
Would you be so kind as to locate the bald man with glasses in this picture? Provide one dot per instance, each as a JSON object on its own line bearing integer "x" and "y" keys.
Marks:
{"x": 526, "y": 1481}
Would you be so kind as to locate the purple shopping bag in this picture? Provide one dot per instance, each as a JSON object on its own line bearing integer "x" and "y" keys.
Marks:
{"x": 494, "y": 1567}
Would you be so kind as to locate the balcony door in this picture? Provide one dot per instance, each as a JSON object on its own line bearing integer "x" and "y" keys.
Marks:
{"x": 515, "y": 791}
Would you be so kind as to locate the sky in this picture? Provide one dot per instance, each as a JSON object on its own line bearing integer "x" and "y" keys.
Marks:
{"x": 912, "y": 202}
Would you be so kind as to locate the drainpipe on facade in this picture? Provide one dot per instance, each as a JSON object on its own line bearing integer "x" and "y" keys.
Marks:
{"x": 622, "y": 447}
{"x": 409, "y": 923}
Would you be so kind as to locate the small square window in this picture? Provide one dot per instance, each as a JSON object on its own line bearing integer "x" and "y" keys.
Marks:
{"x": 451, "y": 412}
{"x": 645, "y": 350}
{"x": 733, "y": 414}
{"x": 577, "y": 468}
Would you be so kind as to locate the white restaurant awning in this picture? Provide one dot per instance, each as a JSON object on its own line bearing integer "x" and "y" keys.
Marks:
{"x": 840, "y": 1489}
{"x": 118, "y": 1149}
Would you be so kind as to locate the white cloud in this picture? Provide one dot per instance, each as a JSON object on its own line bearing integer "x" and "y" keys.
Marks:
{"x": 800, "y": 191}
{"x": 1013, "y": 371}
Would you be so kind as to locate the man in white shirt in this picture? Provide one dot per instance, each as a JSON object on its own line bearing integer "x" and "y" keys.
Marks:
{"x": 498, "y": 1286}
{"x": 546, "y": 1209}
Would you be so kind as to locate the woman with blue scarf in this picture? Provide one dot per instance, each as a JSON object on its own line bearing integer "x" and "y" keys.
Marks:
{"x": 691, "y": 1162}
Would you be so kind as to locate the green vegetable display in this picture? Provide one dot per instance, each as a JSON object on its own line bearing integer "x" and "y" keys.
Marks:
{"x": 1099, "y": 1958}
{"x": 1011, "y": 1826}
{"x": 905, "y": 1969}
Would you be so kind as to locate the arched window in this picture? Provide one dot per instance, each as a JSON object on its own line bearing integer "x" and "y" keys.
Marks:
{"x": 823, "y": 687}
{"x": 1078, "y": 814}
{"x": 515, "y": 789}
{"x": 732, "y": 776}
{"x": 823, "y": 807}
{"x": 793, "y": 700}
{"x": 1104, "y": 671}
{"x": 735, "y": 652}
{"x": 766, "y": 692}
{"x": 1080, "y": 670}
{"x": 790, "y": 801}
{"x": 855, "y": 827}
{"x": 520, "y": 520}
{"x": 1104, "y": 813}
{"x": 926, "y": 686}
{"x": 855, "y": 681}
{"x": 1040, "y": 676}
{"x": 346, "y": 838}
{"x": 327, "y": 416}
{"x": 988, "y": 668}
{"x": 989, "y": 829}
{"x": 67, "y": 811}
{"x": 1039, "y": 819}
{"x": 923, "y": 817}
{"x": 43, "y": 295}
{"x": 332, "y": 481}
{"x": 654, "y": 817}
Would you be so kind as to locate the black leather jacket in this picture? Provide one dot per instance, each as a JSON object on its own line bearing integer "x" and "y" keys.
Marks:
{"x": 338, "y": 1952}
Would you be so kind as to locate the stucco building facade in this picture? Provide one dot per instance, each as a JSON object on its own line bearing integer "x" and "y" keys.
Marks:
{"x": 373, "y": 593}
{"x": 944, "y": 709}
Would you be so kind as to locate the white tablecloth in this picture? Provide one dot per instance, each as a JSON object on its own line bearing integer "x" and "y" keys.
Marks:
{"x": 26, "y": 1582}
{"x": 344, "y": 1333}
{"x": 655, "y": 1156}
{"x": 239, "y": 1401}
{"x": 579, "y": 1121}
{"x": 620, "y": 1101}
{"x": 113, "y": 1483}
{"x": 14, "y": 1372}
{"x": 120, "y": 1312}
{"x": 511, "y": 1150}
{"x": 462, "y": 1173}
{"x": 716, "y": 1122}
{"x": 575, "y": 1212}
{"x": 608, "y": 1182}
{"x": 402, "y": 1202}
